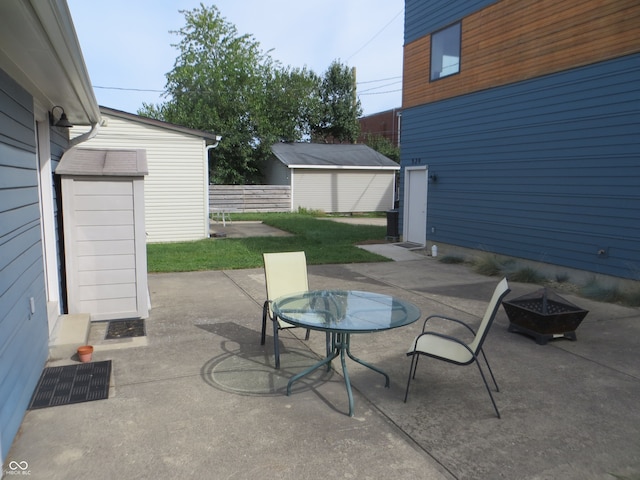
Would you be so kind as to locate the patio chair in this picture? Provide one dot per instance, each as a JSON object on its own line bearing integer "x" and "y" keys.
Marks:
{"x": 284, "y": 273}
{"x": 454, "y": 350}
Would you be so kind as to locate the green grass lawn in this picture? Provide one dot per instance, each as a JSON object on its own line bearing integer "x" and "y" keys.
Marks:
{"x": 323, "y": 242}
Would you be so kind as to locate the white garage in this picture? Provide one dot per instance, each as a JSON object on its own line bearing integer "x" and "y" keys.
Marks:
{"x": 334, "y": 178}
{"x": 177, "y": 186}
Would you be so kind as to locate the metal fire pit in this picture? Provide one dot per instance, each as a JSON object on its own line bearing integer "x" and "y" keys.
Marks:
{"x": 544, "y": 315}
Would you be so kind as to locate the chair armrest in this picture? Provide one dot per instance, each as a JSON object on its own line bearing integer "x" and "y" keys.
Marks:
{"x": 441, "y": 335}
{"x": 448, "y": 319}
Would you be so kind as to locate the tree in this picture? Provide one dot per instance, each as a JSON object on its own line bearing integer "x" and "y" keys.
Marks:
{"x": 292, "y": 102}
{"x": 222, "y": 82}
{"x": 340, "y": 106}
{"x": 382, "y": 145}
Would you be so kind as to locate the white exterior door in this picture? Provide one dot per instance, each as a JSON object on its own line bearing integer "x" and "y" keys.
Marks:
{"x": 415, "y": 205}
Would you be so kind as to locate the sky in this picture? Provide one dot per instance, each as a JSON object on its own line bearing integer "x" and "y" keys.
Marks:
{"x": 127, "y": 43}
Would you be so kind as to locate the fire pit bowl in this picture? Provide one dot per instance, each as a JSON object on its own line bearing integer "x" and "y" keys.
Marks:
{"x": 544, "y": 315}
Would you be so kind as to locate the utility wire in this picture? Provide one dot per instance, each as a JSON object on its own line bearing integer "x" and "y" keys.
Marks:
{"x": 351, "y": 56}
{"x": 378, "y": 87}
{"x": 129, "y": 89}
{"x": 380, "y": 80}
{"x": 374, "y": 37}
{"x": 162, "y": 91}
{"x": 381, "y": 93}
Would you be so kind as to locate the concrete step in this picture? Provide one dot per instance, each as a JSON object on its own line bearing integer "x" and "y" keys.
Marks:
{"x": 71, "y": 331}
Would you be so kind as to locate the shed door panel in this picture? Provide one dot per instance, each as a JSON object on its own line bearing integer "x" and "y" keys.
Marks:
{"x": 100, "y": 230}
{"x": 343, "y": 190}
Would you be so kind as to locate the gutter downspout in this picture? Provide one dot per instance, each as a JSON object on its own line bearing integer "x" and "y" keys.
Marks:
{"x": 86, "y": 136}
{"x": 206, "y": 182}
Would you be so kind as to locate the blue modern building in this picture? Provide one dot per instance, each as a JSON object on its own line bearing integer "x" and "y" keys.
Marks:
{"x": 521, "y": 130}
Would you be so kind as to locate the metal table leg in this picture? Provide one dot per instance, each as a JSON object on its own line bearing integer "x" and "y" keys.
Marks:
{"x": 368, "y": 365}
{"x": 309, "y": 370}
{"x": 341, "y": 343}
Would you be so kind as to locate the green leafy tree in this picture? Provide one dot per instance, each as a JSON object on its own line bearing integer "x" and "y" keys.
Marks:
{"x": 289, "y": 103}
{"x": 292, "y": 102}
{"x": 222, "y": 82}
{"x": 340, "y": 109}
{"x": 382, "y": 145}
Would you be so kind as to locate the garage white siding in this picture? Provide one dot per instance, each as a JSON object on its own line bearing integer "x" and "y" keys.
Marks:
{"x": 176, "y": 188}
{"x": 342, "y": 190}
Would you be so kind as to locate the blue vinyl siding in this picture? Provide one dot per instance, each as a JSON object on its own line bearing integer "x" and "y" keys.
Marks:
{"x": 422, "y": 18}
{"x": 547, "y": 169}
{"x": 23, "y": 337}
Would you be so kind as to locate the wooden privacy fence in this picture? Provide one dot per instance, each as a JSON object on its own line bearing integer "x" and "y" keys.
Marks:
{"x": 250, "y": 198}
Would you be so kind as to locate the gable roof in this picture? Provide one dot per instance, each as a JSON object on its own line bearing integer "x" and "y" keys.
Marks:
{"x": 208, "y": 136}
{"x": 321, "y": 155}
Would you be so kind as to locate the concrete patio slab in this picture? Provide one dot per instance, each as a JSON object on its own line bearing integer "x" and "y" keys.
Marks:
{"x": 202, "y": 399}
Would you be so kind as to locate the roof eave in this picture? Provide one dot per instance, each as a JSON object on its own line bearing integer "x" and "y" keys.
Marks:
{"x": 39, "y": 49}
{"x": 210, "y": 138}
{"x": 346, "y": 167}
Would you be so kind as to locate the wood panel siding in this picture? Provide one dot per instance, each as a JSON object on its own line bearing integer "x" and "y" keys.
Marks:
{"x": 546, "y": 169}
{"x": 250, "y": 198}
{"x": 422, "y": 17}
{"x": 514, "y": 40}
{"x": 24, "y": 334}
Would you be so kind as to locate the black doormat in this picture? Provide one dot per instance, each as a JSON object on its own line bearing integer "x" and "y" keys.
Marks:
{"x": 125, "y": 329}
{"x": 409, "y": 245}
{"x": 69, "y": 384}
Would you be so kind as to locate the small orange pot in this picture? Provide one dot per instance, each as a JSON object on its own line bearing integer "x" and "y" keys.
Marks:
{"x": 84, "y": 353}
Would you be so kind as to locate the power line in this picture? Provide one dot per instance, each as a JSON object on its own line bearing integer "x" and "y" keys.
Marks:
{"x": 126, "y": 89}
{"x": 129, "y": 89}
{"x": 381, "y": 86}
{"x": 378, "y": 33}
{"x": 380, "y": 80}
{"x": 381, "y": 93}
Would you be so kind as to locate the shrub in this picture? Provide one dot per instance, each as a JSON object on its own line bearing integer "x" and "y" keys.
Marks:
{"x": 452, "y": 259}
{"x": 631, "y": 296}
{"x": 527, "y": 275}
{"x": 596, "y": 291}
{"x": 487, "y": 265}
{"x": 311, "y": 212}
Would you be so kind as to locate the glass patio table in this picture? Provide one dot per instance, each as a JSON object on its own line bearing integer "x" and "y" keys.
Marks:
{"x": 342, "y": 313}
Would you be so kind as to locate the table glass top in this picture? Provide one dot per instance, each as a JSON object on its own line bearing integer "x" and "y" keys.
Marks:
{"x": 345, "y": 310}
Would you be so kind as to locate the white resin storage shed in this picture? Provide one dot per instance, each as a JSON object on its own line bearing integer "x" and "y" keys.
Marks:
{"x": 177, "y": 186}
{"x": 104, "y": 232}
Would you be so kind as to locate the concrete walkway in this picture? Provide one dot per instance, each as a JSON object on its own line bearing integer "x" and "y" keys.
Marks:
{"x": 200, "y": 398}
